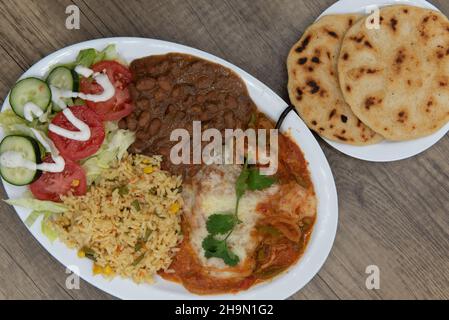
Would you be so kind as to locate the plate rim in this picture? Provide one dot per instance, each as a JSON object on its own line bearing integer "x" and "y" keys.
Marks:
{"x": 385, "y": 151}
{"x": 331, "y": 222}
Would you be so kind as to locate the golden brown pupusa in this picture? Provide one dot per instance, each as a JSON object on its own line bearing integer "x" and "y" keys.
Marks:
{"x": 313, "y": 83}
{"x": 396, "y": 78}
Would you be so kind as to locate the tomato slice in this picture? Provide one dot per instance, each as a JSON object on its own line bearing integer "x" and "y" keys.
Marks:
{"x": 50, "y": 186}
{"x": 73, "y": 149}
{"x": 119, "y": 106}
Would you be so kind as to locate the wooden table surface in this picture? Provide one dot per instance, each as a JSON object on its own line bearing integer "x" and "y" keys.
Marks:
{"x": 393, "y": 215}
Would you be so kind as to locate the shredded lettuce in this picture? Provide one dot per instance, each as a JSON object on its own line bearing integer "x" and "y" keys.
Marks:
{"x": 13, "y": 124}
{"x": 88, "y": 57}
{"x": 47, "y": 228}
{"x": 110, "y": 53}
{"x": 9, "y": 118}
{"x": 32, "y": 217}
{"x": 46, "y": 209}
{"x": 37, "y": 205}
{"x": 114, "y": 147}
{"x": 19, "y": 129}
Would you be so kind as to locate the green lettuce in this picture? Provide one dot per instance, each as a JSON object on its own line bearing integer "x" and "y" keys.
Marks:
{"x": 48, "y": 229}
{"x": 46, "y": 209}
{"x": 33, "y": 216}
{"x": 88, "y": 57}
{"x": 114, "y": 147}
{"x": 9, "y": 118}
{"x": 110, "y": 53}
{"x": 13, "y": 124}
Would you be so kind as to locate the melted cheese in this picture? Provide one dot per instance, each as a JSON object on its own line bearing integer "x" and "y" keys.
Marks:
{"x": 214, "y": 192}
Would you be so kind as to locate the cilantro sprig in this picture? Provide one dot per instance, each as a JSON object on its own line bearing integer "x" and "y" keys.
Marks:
{"x": 224, "y": 223}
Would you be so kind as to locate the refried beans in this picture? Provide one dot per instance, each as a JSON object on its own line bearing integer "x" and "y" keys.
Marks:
{"x": 173, "y": 90}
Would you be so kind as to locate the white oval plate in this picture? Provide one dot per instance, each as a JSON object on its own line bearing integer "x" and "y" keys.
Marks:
{"x": 269, "y": 103}
{"x": 385, "y": 151}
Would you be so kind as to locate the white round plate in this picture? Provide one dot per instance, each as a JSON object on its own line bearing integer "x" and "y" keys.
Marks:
{"x": 268, "y": 102}
{"x": 387, "y": 150}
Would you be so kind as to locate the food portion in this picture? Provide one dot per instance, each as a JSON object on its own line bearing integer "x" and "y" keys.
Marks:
{"x": 53, "y": 129}
{"x": 120, "y": 211}
{"x": 396, "y": 78}
{"x": 30, "y": 151}
{"x": 73, "y": 149}
{"x": 239, "y": 227}
{"x": 390, "y": 81}
{"x": 314, "y": 87}
{"x": 92, "y": 143}
{"x": 52, "y": 185}
{"x": 29, "y": 90}
{"x": 242, "y": 228}
{"x": 119, "y": 105}
{"x": 171, "y": 91}
{"x": 129, "y": 222}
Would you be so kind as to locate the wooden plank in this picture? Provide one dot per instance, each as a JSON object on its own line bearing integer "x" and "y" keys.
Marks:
{"x": 317, "y": 289}
{"x": 15, "y": 283}
{"x": 165, "y": 20}
{"x": 28, "y": 267}
{"x": 33, "y": 29}
{"x": 27, "y": 270}
{"x": 394, "y": 216}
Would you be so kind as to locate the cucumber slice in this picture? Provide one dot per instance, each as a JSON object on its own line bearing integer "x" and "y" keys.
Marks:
{"x": 29, "y": 90}
{"x": 63, "y": 78}
{"x": 29, "y": 148}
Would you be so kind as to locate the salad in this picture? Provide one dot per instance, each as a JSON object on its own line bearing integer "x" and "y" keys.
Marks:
{"x": 61, "y": 132}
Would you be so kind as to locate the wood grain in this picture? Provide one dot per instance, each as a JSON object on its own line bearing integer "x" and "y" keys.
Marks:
{"x": 393, "y": 215}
